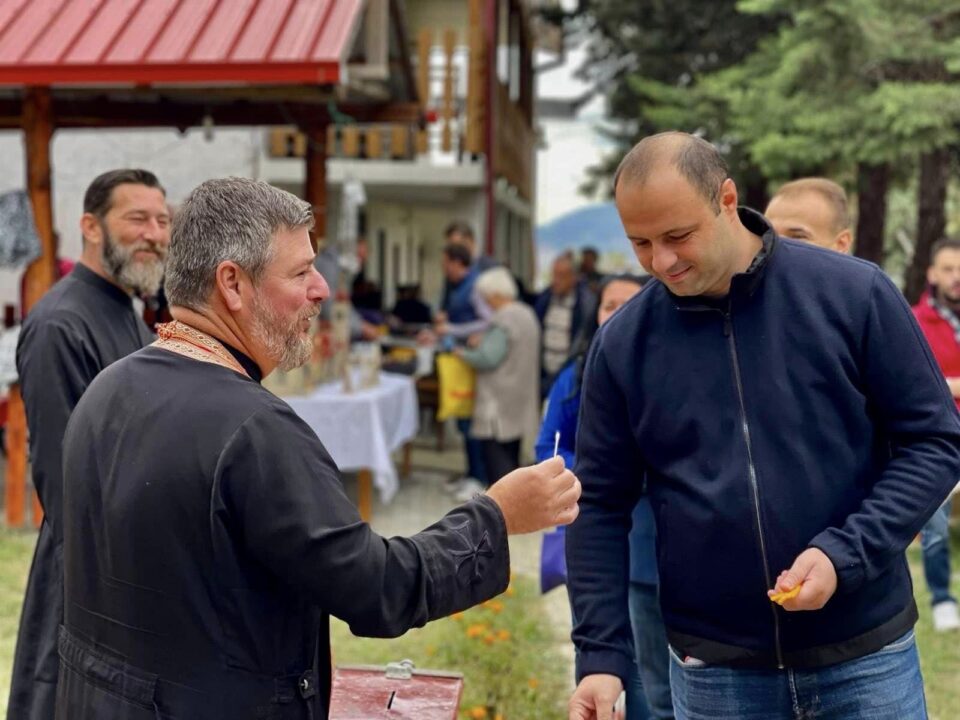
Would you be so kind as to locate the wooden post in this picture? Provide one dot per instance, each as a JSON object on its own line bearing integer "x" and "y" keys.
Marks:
{"x": 350, "y": 140}
{"x": 38, "y": 132}
{"x": 398, "y": 141}
{"x": 365, "y": 494}
{"x": 16, "y": 481}
{"x": 315, "y": 190}
{"x": 476, "y": 79}
{"x": 449, "y": 43}
{"x": 374, "y": 142}
{"x": 424, "y": 40}
{"x": 37, "y": 121}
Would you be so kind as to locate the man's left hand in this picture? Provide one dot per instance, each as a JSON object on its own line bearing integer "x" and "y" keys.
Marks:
{"x": 814, "y": 572}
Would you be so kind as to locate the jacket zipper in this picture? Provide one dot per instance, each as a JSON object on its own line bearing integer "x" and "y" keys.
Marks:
{"x": 754, "y": 486}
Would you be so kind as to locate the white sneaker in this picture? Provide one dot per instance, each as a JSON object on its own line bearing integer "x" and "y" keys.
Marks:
{"x": 945, "y": 616}
{"x": 455, "y": 484}
{"x": 470, "y": 488}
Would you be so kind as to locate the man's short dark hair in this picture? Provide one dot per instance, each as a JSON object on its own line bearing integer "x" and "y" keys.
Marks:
{"x": 98, "y": 199}
{"x": 699, "y": 162}
{"x": 589, "y": 250}
{"x": 459, "y": 227}
{"x": 459, "y": 254}
{"x": 947, "y": 243}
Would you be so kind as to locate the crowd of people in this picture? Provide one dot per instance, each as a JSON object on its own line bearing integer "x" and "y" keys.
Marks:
{"x": 742, "y": 439}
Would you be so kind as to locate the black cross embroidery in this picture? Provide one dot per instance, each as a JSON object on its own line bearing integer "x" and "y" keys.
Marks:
{"x": 483, "y": 549}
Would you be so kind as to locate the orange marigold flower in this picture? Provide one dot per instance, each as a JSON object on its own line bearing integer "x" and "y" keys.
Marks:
{"x": 478, "y": 712}
{"x": 495, "y": 605}
{"x": 503, "y": 635}
{"x": 457, "y": 616}
{"x": 489, "y": 638}
{"x": 533, "y": 683}
{"x": 475, "y": 631}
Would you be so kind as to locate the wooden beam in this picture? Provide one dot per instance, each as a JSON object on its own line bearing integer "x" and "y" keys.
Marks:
{"x": 315, "y": 190}
{"x": 39, "y": 276}
{"x": 99, "y": 111}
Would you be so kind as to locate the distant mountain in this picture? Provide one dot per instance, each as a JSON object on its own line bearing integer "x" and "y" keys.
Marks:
{"x": 595, "y": 225}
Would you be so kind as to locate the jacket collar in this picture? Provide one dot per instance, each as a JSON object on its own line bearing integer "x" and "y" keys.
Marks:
{"x": 746, "y": 283}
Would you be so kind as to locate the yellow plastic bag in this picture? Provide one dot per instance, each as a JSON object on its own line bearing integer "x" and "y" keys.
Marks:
{"x": 456, "y": 379}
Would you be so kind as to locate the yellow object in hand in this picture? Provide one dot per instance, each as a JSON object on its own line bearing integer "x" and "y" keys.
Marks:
{"x": 781, "y": 597}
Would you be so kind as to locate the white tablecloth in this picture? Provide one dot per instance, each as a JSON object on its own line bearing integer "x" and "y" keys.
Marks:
{"x": 362, "y": 429}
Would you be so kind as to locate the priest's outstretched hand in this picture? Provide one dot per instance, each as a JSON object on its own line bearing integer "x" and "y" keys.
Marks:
{"x": 537, "y": 497}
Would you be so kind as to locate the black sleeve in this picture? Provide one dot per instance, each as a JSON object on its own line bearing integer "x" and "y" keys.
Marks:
{"x": 55, "y": 366}
{"x": 284, "y": 494}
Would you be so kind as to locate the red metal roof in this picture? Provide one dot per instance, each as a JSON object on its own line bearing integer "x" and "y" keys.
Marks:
{"x": 82, "y": 42}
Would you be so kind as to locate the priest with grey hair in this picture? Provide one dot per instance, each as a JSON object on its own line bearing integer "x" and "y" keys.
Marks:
{"x": 208, "y": 536}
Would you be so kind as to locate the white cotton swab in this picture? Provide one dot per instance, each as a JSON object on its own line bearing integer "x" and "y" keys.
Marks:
{"x": 556, "y": 443}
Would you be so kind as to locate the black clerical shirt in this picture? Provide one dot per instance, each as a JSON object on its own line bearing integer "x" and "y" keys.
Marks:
{"x": 208, "y": 539}
{"x": 80, "y": 326}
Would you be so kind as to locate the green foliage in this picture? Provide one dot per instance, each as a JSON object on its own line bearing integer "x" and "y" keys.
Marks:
{"x": 650, "y": 58}
{"x": 784, "y": 87}
{"x": 841, "y": 83}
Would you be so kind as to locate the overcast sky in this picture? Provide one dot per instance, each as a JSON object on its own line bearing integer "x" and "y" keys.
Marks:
{"x": 571, "y": 146}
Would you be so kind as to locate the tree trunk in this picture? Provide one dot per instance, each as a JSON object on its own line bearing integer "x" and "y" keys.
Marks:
{"x": 931, "y": 218}
{"x": 872, "y": 183}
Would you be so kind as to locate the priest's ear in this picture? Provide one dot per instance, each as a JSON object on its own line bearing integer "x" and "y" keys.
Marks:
{"x": 91, "y": 228}
{"x": 230, "y": 281}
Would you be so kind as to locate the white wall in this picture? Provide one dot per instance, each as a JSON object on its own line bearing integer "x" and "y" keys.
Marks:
{"x": 77, "y": 156}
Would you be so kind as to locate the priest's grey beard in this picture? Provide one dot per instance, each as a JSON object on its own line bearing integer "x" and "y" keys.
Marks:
{"x": 282, "y": 340}
{"x": 141, "y": 276}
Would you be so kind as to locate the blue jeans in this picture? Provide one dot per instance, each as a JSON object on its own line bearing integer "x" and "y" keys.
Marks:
{"x": 476, "y": 467}
{"x": 935, "y": 543}
{"x": 885, "y": 685}
{"x": 648, "y": 692}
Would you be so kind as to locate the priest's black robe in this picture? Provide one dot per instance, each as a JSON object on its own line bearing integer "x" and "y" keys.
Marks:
{"x": 80, "y": 326}
{"x": 208, "y": 539}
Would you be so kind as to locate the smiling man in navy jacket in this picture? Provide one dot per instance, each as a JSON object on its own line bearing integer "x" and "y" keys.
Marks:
{"x": 794, "y": 430}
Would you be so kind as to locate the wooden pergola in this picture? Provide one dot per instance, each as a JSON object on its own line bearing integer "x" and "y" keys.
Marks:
{"x": 186, "y": 63}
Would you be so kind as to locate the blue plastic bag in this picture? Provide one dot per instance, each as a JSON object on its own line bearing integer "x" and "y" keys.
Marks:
{"x": 553, "y": 560}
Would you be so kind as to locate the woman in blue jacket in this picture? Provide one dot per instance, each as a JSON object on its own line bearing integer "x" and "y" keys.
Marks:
{"x": 648, "y": 696}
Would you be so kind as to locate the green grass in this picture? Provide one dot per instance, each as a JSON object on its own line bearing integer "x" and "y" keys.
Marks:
{"x": 16, "y": 551}
{"x": 523, "y": 676}
{"x": 939, "y": 652}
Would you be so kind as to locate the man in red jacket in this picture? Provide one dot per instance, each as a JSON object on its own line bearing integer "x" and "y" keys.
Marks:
{"x": 938, "y": 312}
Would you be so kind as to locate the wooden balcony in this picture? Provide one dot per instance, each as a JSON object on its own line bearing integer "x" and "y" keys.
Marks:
{"x": 453, "y": 82}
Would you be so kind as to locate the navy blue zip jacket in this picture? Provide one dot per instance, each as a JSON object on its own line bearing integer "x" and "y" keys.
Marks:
{"x": 805, "y": 409}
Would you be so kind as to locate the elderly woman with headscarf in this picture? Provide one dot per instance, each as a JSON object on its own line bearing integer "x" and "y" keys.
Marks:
{"x": 506, "y": 359}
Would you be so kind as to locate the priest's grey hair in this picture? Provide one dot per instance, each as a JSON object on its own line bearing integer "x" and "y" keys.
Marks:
{"x": 227, "y": 219}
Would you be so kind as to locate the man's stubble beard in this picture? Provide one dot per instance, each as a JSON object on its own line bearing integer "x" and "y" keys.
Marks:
{"x": 282, "y": 341}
